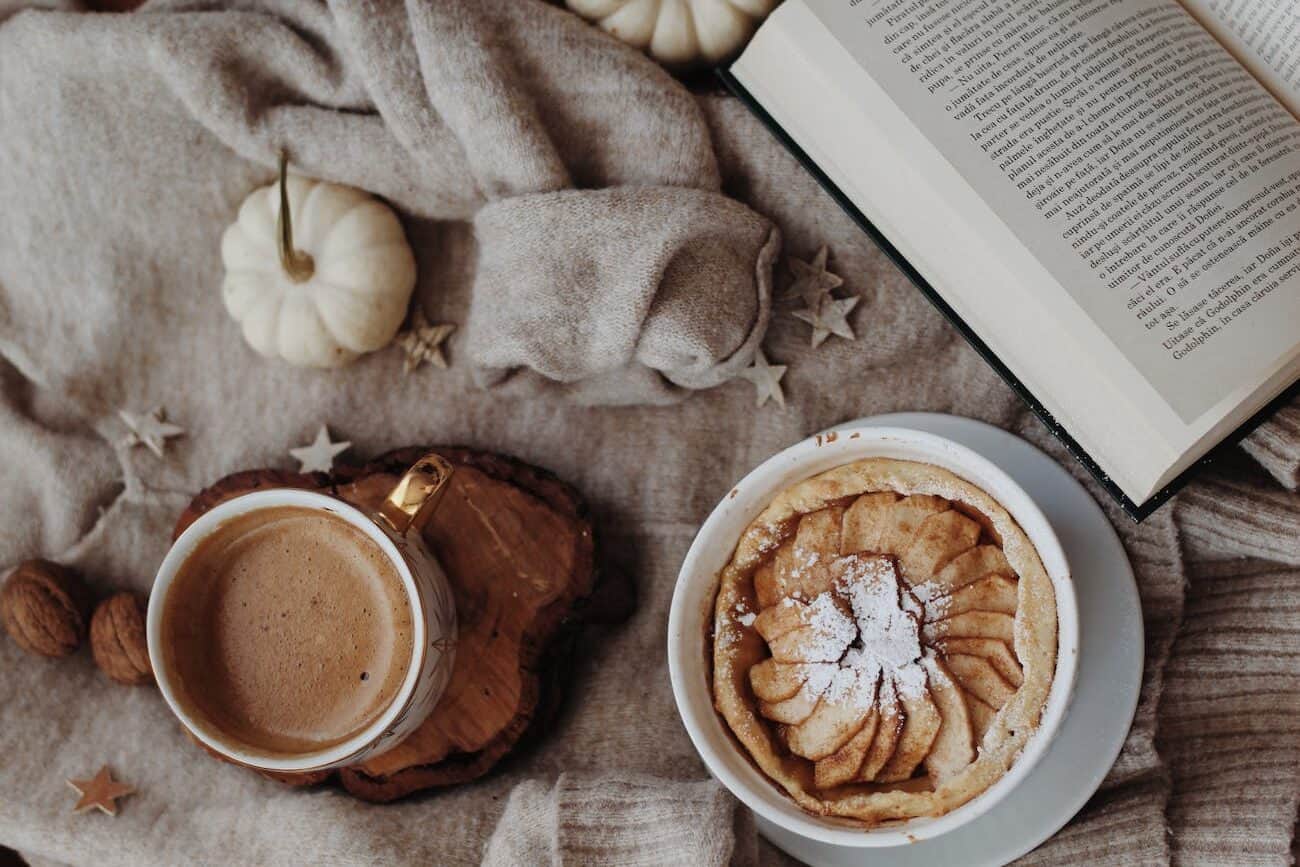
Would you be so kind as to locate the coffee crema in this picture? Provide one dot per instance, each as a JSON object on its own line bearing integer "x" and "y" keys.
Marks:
{"x": 288, "y": 630}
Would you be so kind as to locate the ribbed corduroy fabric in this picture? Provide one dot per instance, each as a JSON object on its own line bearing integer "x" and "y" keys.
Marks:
{"x": 1230, "y": 718}
{"x": 1276, "y": 445}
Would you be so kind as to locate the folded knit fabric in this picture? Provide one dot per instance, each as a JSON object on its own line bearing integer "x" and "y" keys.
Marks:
{"x": 632, "y": 821}
{"x": 588, "y": 171}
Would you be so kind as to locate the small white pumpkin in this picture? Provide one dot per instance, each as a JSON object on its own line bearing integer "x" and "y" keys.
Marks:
{"x": 679, "y": 32}
{"x": 341, "y": 292}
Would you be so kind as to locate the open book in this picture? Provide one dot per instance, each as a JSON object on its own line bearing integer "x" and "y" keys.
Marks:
{"x": 1103, "y": 195}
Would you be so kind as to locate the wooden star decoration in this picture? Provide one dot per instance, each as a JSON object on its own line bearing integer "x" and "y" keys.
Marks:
{"x": 151, "y": 430}
{"x": 812, "y": 282}
{"x": 100, "y": 792}
{"x": 423, "y": 342}
{"x": 319, "y": 456}
{"x": 830, "y": 318}
{"x": 766, "y": 379}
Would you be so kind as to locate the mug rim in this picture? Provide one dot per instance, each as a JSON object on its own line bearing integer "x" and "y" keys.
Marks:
{"x": 203, "y": 527}
{"x": 695, "y": 592}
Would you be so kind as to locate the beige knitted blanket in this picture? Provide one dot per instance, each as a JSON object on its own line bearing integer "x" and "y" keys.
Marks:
{"x": 580, "y": 216}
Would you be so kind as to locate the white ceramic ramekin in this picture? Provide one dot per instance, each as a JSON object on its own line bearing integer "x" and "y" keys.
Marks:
{"x": 690, "y": 622}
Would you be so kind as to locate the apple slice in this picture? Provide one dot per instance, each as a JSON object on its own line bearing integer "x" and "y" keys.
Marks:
{"x": 775, "y": 681}
{"x": 988, "y": 528}
{"x": 826, "y": 631}
{"x": 787, "y": 574}
{"x": 837, "y": 718}
{"x": 978, "y": 677}
{"x": 779, "y": 619}
{"x": 970, "y": 567}
{"x": 767, "y": 589}
{"x": 863, "y": 521}
{"x": 782, "y": 569}
{"x": 806, "y": 644}
{"x": 902, "y": 520}
{"x": 981, "y": 715}
{"x": 954, "y": 745}
{"x": 920, "y": 727}
{"x": 843, "y": 765}
{"x": 793, "y": 710}
{"x": 803, "y": 568}
{"x": 972, "y": 624}
{"x": 887, "y": 732}
{"x": 939, "y": 540}
{"x": 990, "y": 593}
{"x": 996, "y": 652}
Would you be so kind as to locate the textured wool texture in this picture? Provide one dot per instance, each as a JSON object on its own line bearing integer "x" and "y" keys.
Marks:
{"x": 1276, "y": 445}
{"x": 629, "y": 820}
{"x": 566, "y": 203}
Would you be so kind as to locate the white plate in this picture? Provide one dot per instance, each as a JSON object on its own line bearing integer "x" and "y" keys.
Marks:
{"x": 1106, "y": 688}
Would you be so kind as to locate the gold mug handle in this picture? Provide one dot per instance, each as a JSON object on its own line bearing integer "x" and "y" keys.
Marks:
{"x": 416, "y": 496}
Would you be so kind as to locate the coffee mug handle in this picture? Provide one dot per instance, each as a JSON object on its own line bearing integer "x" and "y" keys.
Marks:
{"x": 417, "y": 493}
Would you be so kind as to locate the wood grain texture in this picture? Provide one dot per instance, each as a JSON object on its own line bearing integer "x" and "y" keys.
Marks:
{"x": 519, "y": 552}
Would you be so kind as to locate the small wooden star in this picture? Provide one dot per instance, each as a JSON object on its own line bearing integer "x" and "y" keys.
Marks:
{"x": 766, "y": 379}
{"x": 423, "y": 342}
{"x": 812, "y": 282}
{"x": 100, "y": 792}
{"x": 830, "y": 318}
{"x": 150, "y": 430}
{"x": 319, "y": 456}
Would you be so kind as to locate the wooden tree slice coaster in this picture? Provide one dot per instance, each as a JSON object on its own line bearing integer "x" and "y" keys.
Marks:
{"x": 518, "y": 550}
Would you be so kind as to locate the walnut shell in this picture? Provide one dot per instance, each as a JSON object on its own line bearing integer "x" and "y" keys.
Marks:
{"x": 117, "y": 639}
{"x": 44, "y": 608}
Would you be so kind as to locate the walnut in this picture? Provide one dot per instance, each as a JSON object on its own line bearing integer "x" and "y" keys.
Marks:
{"x": 117, "y": 639}
{"x": 44, "y": 607}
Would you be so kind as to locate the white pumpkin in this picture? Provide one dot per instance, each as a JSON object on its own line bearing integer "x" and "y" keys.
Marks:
{"x": 329, "y": 284}
{"x": 679, "y": 32}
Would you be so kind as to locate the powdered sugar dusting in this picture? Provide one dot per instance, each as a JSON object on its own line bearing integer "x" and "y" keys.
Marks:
{"x": 804, "y": 560}
{"x": 927, "y": 591}
{"x": 911, "y": 680}
{"x": 854, "y": 686}
{"x": 863, "y": 631}
{"x": 765, "y": 538}
{"x": 887, "y": 635}
{"x": 742, "y": 615}
{"x": 818, "y": 676}
{"x": 932, "y": 597}
{"x": 830, "y": 630}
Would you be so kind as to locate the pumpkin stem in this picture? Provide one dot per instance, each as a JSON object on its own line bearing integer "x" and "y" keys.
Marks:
{"x": 297, "y": 264}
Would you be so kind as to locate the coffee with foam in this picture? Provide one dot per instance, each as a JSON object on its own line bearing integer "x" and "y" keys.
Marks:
{"x": 289, "y": 631}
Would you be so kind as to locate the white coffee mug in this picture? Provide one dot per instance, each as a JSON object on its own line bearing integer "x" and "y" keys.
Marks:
{"x": 395, "y": 528}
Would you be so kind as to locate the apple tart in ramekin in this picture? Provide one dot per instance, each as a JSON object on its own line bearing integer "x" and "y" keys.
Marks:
{"x": 884, "y": 641}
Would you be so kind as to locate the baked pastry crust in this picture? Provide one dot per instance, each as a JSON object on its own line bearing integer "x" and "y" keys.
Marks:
{"x": 865, "y": 708}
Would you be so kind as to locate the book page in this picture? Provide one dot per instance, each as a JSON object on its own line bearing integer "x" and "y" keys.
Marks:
{"x": 1151, "y": 175}
{"x": 847, "y": 127}
{"x": 1264, "y": 35}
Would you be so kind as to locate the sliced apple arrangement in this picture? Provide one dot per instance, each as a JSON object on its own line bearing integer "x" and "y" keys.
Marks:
{"x": 890, "y": 627}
